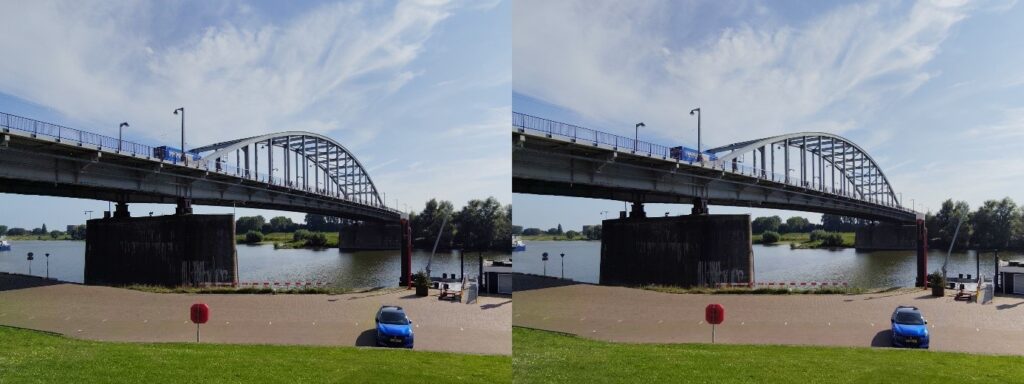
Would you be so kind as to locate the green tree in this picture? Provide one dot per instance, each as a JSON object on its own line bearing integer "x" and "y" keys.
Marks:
{"x": 253, "y": 237}
{"x": 570, "y": 234}
{"x": 55, "y": 234}
{"x": 3, "y": 229}
{"x": 798, "y": 224}
{"x": 282, "y": 224}
{"x": 762, "y": 224}
{"x": 517, "y": 230}
{"x": 559, "y": 232}
{"x": 483, "y": 225}
{"x": 427, "y": 224}
{"x": 532, "y": 231}
{"x": 77, "y": 232}
{"x": 996, "y": 224}
{"x": 942, "y": 225}
{"x": 770, "y": 237}
{"x": 245, "y": 224}
{"x": 17, "y": 231}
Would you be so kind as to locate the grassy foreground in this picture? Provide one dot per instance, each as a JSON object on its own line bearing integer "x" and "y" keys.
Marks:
{"x": 547, "y": 357}
{"x": 30, "y": 356}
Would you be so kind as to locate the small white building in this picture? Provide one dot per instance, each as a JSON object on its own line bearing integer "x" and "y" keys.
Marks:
{"x": 1012, "y": 276}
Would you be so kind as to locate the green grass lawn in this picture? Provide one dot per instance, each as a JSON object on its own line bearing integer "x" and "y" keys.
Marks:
{"x": 36, "y": 357}
{"x": 547, "y": 357}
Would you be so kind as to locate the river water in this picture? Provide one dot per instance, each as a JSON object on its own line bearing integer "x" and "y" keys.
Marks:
{"x": 775, "y": 263}
{"x": 260, "y": 263}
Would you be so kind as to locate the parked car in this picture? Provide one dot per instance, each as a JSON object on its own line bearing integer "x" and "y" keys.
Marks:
{"x": 394, "y": 329}
{"x": 909, "y": 328}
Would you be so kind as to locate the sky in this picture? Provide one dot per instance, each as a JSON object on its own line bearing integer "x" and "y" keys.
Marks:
{"x": 418, "y": 91}
{"x": 932, "y": 90}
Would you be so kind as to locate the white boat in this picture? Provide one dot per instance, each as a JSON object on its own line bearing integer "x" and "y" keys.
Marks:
{"x": 4, "y": 245}
{"x": 517, "y": 244}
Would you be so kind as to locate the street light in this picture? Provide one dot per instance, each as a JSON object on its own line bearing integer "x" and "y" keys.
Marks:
{"x": 700, "y": 156}
{"x": 47, "y": 266}
{"x": 544, "y": 258}
{"x": 119, "y": 129}
{"x": 30, "y": 258}
{"x": 605, "y": 214}
{"x": 183, "y": 157}
{"x": 563, "y": 266}
{"x": 88, "y": 213}
{"x": 636, "y": 134}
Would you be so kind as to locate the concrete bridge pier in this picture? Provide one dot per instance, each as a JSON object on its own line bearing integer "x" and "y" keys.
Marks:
{"x": 179, "y": 250}
{"x": 692, "y": 250}
{"x": 922, "y": 254}
{"x": 369, "y": 235}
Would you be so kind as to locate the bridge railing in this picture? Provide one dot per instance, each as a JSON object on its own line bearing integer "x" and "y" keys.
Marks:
{"x": 577, "y": 133}
{"x": 66, "y": 134}
{"x": 580, "y": 134}
{"x": 70, "y": 135}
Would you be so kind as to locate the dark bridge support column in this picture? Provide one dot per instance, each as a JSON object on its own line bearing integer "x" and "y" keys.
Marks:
{"x": 184, "y": 207}
{"x": 161, "y": 250}
{"x": 121, "y": 210}
{"x": 406, "y": 278}
{"x": 637, "y": 211}
{"x": 694, "y": 250}
{"x": 366, "y": 235}
{"x": 922, "y": 254}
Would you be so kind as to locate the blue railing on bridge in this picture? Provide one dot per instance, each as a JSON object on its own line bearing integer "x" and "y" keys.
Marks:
{"x": 548, "y": 127}
{"x": 66, "y": 134}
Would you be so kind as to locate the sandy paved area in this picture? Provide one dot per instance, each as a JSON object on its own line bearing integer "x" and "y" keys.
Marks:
{"x": 103, "y": 313}
{"x": 635, "y": 315}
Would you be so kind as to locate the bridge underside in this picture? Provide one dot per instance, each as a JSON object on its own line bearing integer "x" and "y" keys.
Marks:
{"x": 41, "y": 166}
{"x": 555, "y": 166}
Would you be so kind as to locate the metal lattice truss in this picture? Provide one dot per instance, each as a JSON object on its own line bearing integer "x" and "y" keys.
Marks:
{"x": 823, "y": 161}
{"x": 298, "y": 160}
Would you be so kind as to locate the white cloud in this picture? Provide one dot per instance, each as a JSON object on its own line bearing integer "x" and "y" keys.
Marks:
{"x": 616, "y": 63}
{"x": 97, "y": 66}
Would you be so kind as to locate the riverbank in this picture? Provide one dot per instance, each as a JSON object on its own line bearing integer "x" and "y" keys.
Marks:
{"x": 286, "y": 240}
{"x": 802, "y": 240}
{"x": 548, "y": 357}
{"x": 63, "y": 237}
{"x": 33, "y": 357}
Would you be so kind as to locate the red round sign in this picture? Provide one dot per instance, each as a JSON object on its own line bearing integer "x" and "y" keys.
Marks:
{"x": 200, "y": 313}
{"x": 714, "y": 314}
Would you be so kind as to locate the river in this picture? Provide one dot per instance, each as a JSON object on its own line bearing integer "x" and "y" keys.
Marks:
{"x": 259, "y": 263}
{"x": 775, "y": 263}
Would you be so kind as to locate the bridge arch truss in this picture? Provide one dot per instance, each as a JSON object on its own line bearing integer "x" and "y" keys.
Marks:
{"x": 815, "y": 160}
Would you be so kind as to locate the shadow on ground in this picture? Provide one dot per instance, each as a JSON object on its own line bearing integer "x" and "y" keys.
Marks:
{"x": 367, "y": 339}
{"x": 1008, "y": 306}
{"x": 882, "y": 339}
{"x": 492, "y": 306}
{"x": 10, "y": 282}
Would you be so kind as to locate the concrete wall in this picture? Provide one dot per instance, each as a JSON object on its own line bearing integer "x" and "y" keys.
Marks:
{"x": 698, "y": 250}
{"x": 161, "y": 250}
{"x": 368, "y": 235}
{"x": 885, "y": 236}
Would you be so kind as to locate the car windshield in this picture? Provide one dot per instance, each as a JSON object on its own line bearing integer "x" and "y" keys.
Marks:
{"x": 912, "y": 318}
{"x": 390, "y": 317}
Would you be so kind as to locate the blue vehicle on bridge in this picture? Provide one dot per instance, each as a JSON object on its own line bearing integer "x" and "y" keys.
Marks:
{"x": 909, "y": 328}
{"x": 172, "y": 154}
{"x": 689, "y": 154}
{"x": 394, "y": 329}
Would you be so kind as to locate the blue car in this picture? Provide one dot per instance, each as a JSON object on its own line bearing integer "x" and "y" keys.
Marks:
{"x": 909, "y": 328}
{"x": 394, "y": 329}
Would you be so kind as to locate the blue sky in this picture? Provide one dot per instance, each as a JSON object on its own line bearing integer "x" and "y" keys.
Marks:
{"x": 419, "y": 91}
{"x": 933, "y": 90}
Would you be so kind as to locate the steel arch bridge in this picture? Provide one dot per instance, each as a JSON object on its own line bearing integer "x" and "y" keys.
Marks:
{"x": 857, "y": 172}
{"x": 289, "y": 171}
{"x": 807, "y": 171}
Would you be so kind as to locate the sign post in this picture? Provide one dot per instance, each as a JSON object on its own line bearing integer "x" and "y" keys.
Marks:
{"x": 30, "y": 258}
{"x": 544, "y": 258}
{"x": 714, "y": 314}
{"x": 200, "y": 314}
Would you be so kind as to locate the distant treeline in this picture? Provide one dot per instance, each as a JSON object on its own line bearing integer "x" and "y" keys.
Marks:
{"x": 479, "y": 226}
{"x": 996, "y": 224}
{"x": 797, "y": 224}
{"x": 589, "y": 232}
{"x": 73, "y": 232}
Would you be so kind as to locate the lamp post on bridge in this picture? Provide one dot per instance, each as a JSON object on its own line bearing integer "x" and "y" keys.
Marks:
{"x": 700, "y": 154}
{"x": 184, "y": 158}
{"x": 636, "y": 134}
{"x": 120, "y": 128}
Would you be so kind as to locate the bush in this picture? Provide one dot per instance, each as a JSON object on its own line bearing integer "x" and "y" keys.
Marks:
{"x": 253, "y": 237}
{"x": 832, "y": 239}
{"x": 317, "y": 239}
{"x": 818, "y": 234}
{"x": 301, "y": 234}
{"x": 420, "y": 279}
{"x": 770, "y": 237}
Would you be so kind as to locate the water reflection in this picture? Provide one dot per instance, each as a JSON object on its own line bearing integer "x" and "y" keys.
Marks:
{"x": 262, "y": 263}
{"x": 777, "y": 263}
